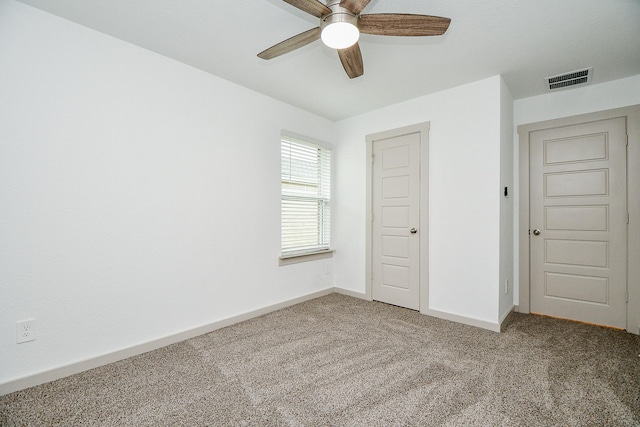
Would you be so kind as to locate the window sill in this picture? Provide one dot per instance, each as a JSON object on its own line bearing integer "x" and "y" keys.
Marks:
{"x": 312, "y": 256}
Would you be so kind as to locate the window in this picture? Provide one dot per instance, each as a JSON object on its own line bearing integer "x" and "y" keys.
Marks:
{"x": 306, "y": 197}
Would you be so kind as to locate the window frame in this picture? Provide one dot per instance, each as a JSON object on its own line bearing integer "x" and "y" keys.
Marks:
{"x": 292, "y": 256}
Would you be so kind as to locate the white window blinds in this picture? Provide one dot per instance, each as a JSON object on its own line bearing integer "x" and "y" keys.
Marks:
{"x": 306, "y": 197}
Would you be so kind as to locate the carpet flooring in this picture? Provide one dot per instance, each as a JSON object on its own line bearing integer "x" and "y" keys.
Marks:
{"x": 341, "y": 361}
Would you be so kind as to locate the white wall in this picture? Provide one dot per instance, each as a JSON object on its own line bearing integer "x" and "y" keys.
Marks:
{"x": 139, "y": 196}
{"x": 588, "y": 99}
{"x": 506, "y": 203}
{"x": 582, "y": 100}
{"x": 464, "y": 195}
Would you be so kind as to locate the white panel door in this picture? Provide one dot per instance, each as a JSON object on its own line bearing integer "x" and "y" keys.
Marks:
{"x": 578, "y": 222}
{"x": 396, "y": 218}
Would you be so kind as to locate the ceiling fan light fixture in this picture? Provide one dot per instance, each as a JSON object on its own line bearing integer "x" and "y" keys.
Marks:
{"x": 339, "y": 28}
{"x": 340, "y": 35}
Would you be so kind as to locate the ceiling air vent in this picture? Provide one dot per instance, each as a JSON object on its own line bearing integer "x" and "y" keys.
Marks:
{"x": 566, "y": 80}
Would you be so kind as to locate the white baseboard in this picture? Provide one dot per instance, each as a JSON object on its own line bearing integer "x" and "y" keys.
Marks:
{"x": 495, "y": 327}
{"x": 94, "y": 362}
{"x": 84, "y": 365}
{"x": 349, "y": 293}
{"x": 504, "y": 316}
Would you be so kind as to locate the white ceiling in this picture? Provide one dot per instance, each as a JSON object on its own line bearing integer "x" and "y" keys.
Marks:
{"x": 524, "y": 40}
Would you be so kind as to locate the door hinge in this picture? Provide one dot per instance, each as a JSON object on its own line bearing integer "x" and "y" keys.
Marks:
{"x": 373, "y": 158}
{"x": 627, "y": 144}
{"x": 628, "y": 218}
{"x": 626, "y": 296}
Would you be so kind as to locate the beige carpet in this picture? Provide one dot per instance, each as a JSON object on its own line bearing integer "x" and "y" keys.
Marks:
{"x": 340, "y": 361}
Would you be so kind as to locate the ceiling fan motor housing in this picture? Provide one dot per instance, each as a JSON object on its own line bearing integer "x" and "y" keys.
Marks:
{"x": 338, "y": 14}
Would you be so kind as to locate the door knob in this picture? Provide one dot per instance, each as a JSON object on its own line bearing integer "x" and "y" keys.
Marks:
{"x": 536, "y": 232}
{"x": 413, "y": 231}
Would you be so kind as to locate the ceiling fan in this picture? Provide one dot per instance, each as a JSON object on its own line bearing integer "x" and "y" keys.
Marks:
{"x": 341, "y": 25}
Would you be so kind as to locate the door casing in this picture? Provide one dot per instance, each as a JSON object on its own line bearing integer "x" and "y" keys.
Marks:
{"x": 632, "y": 116}
{"x": 423, "y": 130}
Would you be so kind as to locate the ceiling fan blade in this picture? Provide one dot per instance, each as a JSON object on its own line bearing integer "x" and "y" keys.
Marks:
{"x": 355, "y": 6}
{"x": 397, "y": 24}
{"x": 291, "y": 44}
{"x": 313, "y": 7}
{"x": 351, "y": 59}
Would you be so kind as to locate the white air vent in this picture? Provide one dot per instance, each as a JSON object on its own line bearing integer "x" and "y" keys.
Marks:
{"x": 567, "y": 80}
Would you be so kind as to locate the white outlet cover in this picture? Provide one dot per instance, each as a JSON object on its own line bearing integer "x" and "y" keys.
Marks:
{"x": 25, "y": 331}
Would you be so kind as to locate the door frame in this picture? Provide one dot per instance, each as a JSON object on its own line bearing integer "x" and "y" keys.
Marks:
{"x": 632, "y": 116}
{"x": 423, "y": 130}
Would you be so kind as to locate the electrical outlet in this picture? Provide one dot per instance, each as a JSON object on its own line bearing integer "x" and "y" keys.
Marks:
{"x": 25, "y": 331}
{"x": 506, "y": 286}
